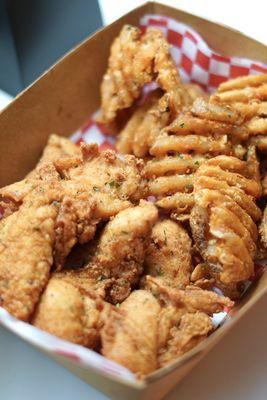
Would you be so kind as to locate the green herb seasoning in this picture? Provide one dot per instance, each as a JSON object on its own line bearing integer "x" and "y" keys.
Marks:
{"x": 165, "y": 237}
{"x": 189, "y": 186}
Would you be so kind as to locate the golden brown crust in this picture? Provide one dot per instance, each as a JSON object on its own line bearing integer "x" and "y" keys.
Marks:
{"x": 247, "y": 95}
{"x": 129, "y": 335}
{"x": 134, "y": 61}
{"x": 223, "y": 228}
{"x": 191, "y": 330}
{"x": 68, "y": 312}
{"x": 169, "y": 254}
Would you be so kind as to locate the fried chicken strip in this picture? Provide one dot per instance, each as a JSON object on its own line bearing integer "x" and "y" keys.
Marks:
{"x": 169, "y": 254}
{"x": 129, "y": 334}
{"x": 117, "y": 264}
{"x": 69, "y": 312}
{"x": 57, "y": 147}
{"x": 26, "y": 252}
{"x": 115, "y": 183}
{"x": 191, "y": 330}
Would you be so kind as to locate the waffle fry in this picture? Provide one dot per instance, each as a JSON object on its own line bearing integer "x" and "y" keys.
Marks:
{"x": 205, "y": 131}
{"x": 223, "y": 227}
{"x": 248, "y": 95}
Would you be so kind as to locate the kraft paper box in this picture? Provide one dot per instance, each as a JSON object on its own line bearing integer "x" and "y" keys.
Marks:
{"x": 61, "y": 101}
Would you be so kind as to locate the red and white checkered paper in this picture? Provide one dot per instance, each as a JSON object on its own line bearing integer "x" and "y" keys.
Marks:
{"x": 197, "y": 63}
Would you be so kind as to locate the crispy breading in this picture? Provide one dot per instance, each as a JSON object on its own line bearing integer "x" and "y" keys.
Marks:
{"x": 192, "y": 329}
{"x": 69, "y": 312}
{"x": 80, "y": 200}
{"x": 134, "y": 61}
{"x": 190, "y": 299}
{"x": 129, "y": 335}
{"x": 26, "y": 252}
{"x": 117, "y": 264}
{"x": 56, "y": 147}
{"x": 247, "y": 95}
{"x": 223, "y": 219}
{"x": 169, "y": 254}
{"x": 176, "y": 304}
{"x": 114, "y": 182}
{"x": 122, "y": 246}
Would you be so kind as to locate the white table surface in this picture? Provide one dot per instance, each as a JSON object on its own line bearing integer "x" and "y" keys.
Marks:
{"x": 236, "y": 368}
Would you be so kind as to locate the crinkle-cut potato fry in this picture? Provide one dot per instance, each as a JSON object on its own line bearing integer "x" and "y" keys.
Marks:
{"x": 124, "y": 143}
{"x": 69, "y": 312}
{"x": 243, "y": 82}
{"x": 223, "y": 229}
{"x": 147, "y": 120}
{"x": 181, "y": 203}
{"x": 135, "y": 60}
{"x": 181, "y": 163}
{"x": 185, "y": 144}
{"x": 169, "y": 254}
{"x": 57, "y": 147}
{"x": 247, "y": 95}
{"x": 243, "y": 95}
{"x": 155, "y": 120}
{"x": 26, "y": 252}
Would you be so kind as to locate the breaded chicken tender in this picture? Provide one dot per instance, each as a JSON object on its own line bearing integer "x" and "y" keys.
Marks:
{"x": 184, "y": 319}
{"x": 113, "y": 182}
{"x": 117, "y": 264}
{"x": 203, "y": 131}
{"x": 191, "y": 330}
{"x": 129, "y": 334}
{"x": 169, "y": 254}
{"x": 223, "y": 220}
{"x": 145, "y": 125}
{"x": 26, "y": 252}
{"x": 69, "y": 312}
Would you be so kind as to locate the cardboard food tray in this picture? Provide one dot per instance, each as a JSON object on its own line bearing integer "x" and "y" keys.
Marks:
{"x": 61, "y": 101}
